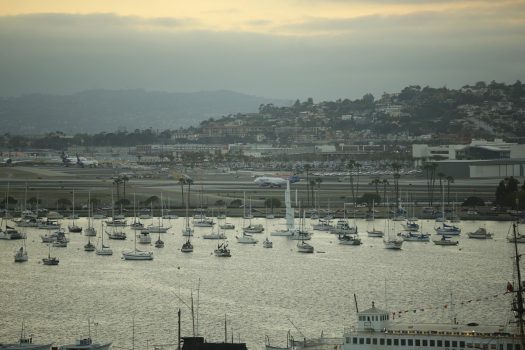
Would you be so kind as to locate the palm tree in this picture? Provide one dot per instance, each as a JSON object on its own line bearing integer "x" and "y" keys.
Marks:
{"x": 117, "y": 181}
{"x": 350, "y": 165}
{"x": 385, "y": 183}
{"x": 430, "y": 171}
{"x": 375, "y": 182}
{"x": 307, "y": 168}
{"x": 182, "y": 182}
{"x": 358, "y": 167}
{"x": 318, "y": 181}
{"x": 450, "y": 180}
{"x": 396, "y": 167}
{"x": 189, "y": 181}
{"x": 124, "y": 179}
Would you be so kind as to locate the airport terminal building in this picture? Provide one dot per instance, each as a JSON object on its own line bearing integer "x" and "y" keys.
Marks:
{"x": 479, "y": 159}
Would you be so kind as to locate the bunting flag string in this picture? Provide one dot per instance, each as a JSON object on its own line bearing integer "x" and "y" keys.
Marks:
{"x": 445, "y": 306}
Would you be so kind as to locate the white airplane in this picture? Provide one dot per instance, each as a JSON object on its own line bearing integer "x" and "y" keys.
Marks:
{"x": 272, "y": 181}
{"x": 77, "y": 160}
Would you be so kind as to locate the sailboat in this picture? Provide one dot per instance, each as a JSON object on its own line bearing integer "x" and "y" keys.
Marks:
{"x": 374, "y": 232}
{"x": 89, "y": 247}
{"x": 50, "y": 260}
{"x": 246, "y": 239}
{"x": 187, "y": 230}
{"x": 73, "y": 227}
{"x": 119, "y": 235}
{"x": 267, "y": 243}
{"x": 159, "y": 243}
{"x": 160, "y": 228}
{"x": 290, "y": 229}
{"x": 302, "y": 246}
{"x": 21, "y": 254}
{"x": 444, "y": 229}
{"x": 391, "y": 243}
{"x": 136, "y": 225}
{"x": 251, "y": 228}
{"x": 104, "y": 250}
{"x": 90, "y": 230}
{"x": 136, "y": 254}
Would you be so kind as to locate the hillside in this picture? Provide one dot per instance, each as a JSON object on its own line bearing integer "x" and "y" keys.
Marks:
{"x": 107, "y": 110}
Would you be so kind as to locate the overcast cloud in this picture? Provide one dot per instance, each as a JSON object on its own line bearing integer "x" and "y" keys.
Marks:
{"x": 319, "y": 57}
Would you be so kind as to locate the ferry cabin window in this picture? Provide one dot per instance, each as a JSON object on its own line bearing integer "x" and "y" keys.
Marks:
{"x": 368, "y": 340}
{"x": 389, "y": 342}
{"x": 361, "y": 340}
{"x": 396, "y": 342}
{"x": 440, "y": 343}
{"x": 403, "y": 342}
{"x": 354, "y": 340}
{"x": 454, "y": 344}
{"x": 410, "y": 342}
{"x": 425, "y": 342}
{"x": 382, "y": 341}
{"x": 447, "y": 343}
{"x": 418, "y": 342}
{"x": 432, "y": 342}
{"x": 374, "y": 341}
{"x": 462, "y": 345}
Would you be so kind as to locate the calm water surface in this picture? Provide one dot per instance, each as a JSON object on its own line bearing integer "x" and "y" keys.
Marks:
{"x": 261, "y": 291}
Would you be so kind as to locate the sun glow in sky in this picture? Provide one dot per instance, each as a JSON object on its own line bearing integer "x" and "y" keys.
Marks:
{"x": 275, "y": 48}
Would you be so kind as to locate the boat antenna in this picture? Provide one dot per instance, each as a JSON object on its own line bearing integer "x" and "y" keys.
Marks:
{"x": 192, "y": 313}
{"x": 294, "y": 326}
{"x": 355, "y": 301}
{"x": 518, "y": 306}
{"x": 178, "y": 331}
{"x": 225, "y": 330}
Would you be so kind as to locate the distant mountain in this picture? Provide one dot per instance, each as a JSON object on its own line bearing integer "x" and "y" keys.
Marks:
{"x": 108, "y": 110}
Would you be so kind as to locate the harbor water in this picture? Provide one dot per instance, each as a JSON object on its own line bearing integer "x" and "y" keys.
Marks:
{"x": 261, "y": 292}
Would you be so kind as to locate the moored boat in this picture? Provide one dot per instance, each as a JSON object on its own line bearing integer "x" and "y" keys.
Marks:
{"x": 480, "y": 233}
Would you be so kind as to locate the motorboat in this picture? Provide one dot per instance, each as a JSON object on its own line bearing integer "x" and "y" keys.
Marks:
{"x": 448, "y": 230}
{"x": 118, "y": 235}
{"x": 412, "y": 236}
{"x": 300, "y": 235}
{"x": 343, "y": 227}
{"x": 253, "y": 228}
{"x": 11, "y": 233}
{"x": 349, "y": 239}
{"x": 85, "y": 344}
{"x": 187, "y": 247}
{"x": 480, "y": 233}
{"x": 227, "y": 226}
{"x": 21, "y": 255}
{"x": 60, "y": 243}
{"x": 48, "y": 225}
{"x": 267, "y": 243}
{"x": 323, "y": 225}
{"x": 24, "y": 343}
{"x": 214, "y": 235}
{"x": 445, "y": 240}
{"x": 144, "y": 237}
{"x": 203, "y": 222}
{"x": 411, "y": 226}
{"x": 157, "y": 228}
{"x": 116, "y": 222}
{"x": 58, "y": 235}
{"x": 246, "y": 239}
{"x": 303, "y": 247}
{"x": 222, "y": 250}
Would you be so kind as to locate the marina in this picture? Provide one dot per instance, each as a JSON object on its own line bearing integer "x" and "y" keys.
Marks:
{"x": 260, "y": 290}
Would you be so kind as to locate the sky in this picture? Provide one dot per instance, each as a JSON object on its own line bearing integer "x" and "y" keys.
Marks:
{"x": 325, "y": 49}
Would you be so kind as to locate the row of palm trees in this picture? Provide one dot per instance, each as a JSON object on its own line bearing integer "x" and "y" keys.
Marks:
{"x": 354, "y": 168}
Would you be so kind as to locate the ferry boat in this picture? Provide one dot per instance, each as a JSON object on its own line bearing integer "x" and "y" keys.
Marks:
{"x": 376, "y": 330}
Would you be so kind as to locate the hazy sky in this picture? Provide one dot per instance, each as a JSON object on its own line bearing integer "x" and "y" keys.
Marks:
{"x": 325, "y": 49}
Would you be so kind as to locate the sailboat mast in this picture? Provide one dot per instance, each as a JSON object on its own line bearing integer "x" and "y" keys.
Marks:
{"x": 519, "y": 293}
